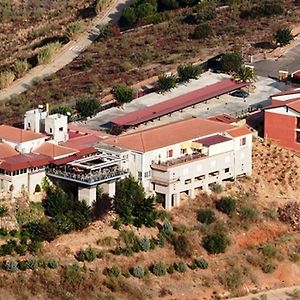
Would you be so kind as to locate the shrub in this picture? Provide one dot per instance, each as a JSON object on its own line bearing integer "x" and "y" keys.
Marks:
{"x": 232, "y": 279}
{"x": 14, "y": 233}
{"x": 123, "y": 93}
{"x": 217, "y": 188}
{"x": 202, "y": 263}
{"x": 144, "y": 244}
{"x": 34, "y": 247}
{"x": 249, "y": 214}
{"x": 52, "y": 263}
{"x": 215, "y": 243}
{"x": 11, "y": 265}
{"x": 6, "y": 79}
{"x": 166, "y": 83}
{"x": 206, "y": 216}
{"x": 159, "y": 269}
{"x": 89, "y": 254}
{"x": 37, "y": 188}
{"x": 116, "y": 224}
{"x": 21, "y": 249}
{"x": 283, "y": 36}
{"x": 138, "y": 272}
{"x": 206, "y": 11}
{"x": 231, "y": 62}
{"x": 180, "y": 267}
{"x": 161, "y": 240}
{"x": 268, "y": 266}
{"x": 73, "y": 29}
{"x": 226, "y": 205}
{"x": 202, "y": 31}
{"x": 294, "y": 257}
{"x": 182, "y": 246}
{"x": 22, "y": 265}
{"x": 269, "y": 251}
{"x": 167, "y": 227}
{"x": 170, "y": 269}
{"x": 46, "y": 53}
{"x": 21, "y": 67}
{"x": 3, "y": 232}
{"x": 114, "y": 271}
{"x": 193, "y": 265}
{"x": 32, "y": 263}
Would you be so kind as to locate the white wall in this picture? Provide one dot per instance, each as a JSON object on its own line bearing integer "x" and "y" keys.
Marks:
{"x": 57, "y": 126}
{"x": 26, "y": 147}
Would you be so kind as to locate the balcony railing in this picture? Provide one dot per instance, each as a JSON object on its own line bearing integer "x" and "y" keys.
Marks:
{"x": 89, "y": 178}
{"x": 177, "y": 161}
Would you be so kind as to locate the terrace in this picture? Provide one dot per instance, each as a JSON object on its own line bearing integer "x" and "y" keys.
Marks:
{"x": 91, "y": 170}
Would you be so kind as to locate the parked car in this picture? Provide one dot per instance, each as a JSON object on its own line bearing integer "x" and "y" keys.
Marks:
{"x": 240, "y": 94}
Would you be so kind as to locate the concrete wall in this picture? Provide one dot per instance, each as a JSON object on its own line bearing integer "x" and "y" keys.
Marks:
{"x": 57, "y": 126}
{"x": 34, "y": 179}
{"x": 26, "y": 147}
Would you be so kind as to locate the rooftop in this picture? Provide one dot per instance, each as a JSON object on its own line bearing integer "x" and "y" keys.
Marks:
{"x": 84, "y": 131}
{"x": 239, "y": 131}
{"x": 177, "y": 103}
{"x": 7, "y": 151}
{"x": 168, "y": 134}
{"x": 224, "y": 118}
{"x": 53, "y": 150}
{"x": 292, "y": 103}
{"x": 213, "y": 140}
{"x": 18, "y": 135}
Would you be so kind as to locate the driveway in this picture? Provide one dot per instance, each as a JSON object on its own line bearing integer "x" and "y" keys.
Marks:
{"x": 69, "y": 51}
{"x": 290, "y": 61}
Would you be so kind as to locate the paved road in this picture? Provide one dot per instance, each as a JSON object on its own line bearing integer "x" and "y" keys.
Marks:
{"x": 69, "y": 52}
{"x": 226, "y": 103}
{"x": 278, "y": 294}
{"x": 290, "y": 61}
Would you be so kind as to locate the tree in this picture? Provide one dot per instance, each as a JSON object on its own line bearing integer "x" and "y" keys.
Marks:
{"x": 123, "y": 93}
{"x": 206, "y": 11}
{"x": 202, "y": 31}
{"x": 63, "y": 110}
{"x": 87, "y": 107}
{"x": 165, "y": 83}
{"x": 215, "y": 243}
{"x": 187, "y": 72}
{"x": 231, "y": 62}
{"x": 245, "y": 74}
{"x": 128, "y": 18}
{"x": 283, "y": 36}
{"x": 145, "y": 9}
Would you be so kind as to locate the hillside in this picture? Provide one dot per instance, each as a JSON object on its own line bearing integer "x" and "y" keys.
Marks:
{"x": 151, "y": 50}
{"x": 263, "y": 253}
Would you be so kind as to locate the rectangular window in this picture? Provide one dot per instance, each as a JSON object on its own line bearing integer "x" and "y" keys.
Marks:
{"x": 140, "y": 175}
{"x": 170, "y": 153}
{"x": 188, "y": 181}
{"x": 28, "y": 125}
{"x": 226, "y": 170}
{"x": 243, "y": 141}
{"x": 201, "y": 177}
{"x": 298, "y": 137}
{"x": 183, "y": 151}
{"x": 50, "y": 130}
{"x": 147, "y": 174}
{"x": 61, "y": 129}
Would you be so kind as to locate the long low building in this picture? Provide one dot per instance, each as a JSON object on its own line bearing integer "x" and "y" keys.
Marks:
{"x": 186, "y": 156}
{"x": 178, "y": 103}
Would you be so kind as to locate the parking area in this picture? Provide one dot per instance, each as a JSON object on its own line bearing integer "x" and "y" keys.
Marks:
{"x": 223, "y": 104}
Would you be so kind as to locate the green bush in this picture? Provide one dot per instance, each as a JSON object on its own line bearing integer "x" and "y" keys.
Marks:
{"x": 202, "y": 263}
{"x": 226, "y": 205}
{"x": 123, "y": 93}
{"x": 3, "y": 232}
{"x": 34, "y": 247}
{"x": 268, "y": 266}
{"x": 21, "y": 67}
{"x": 193, "y": 265}
{"x": 116, "y": 224}
{"x": 14, "y": 233}
{"x": 171, "y": 269}
{"x": 180, "y": 267}
{"x": 187, "y": 72}
{"x": 159, "y": 269}
{"x": 32, "y": 263}
{"x": 11, "y": 265}
{"x": 269, "y": 251}
{"x": 138, "y": 272}
{"x": 46, "y": 53}
{"x": 52, "y": 263}
{"x": 231, "y": 62}
{"x": 21, "y": 249}
{"x": 283, "y": 36}
{"x": 167, "y": 227}
{"x": 89, "y": 254}
{"x": 114, "y": 271}
{"x": 206, "y": 216}
{"x": 87, "y": 106}
{"x": 73, "y": 29}
{"x": 202, "y": 31}
{"x": 22, "y": 265}
{"x": 145, "y": 244}
{"x": 166, "y": 83}
{"x": 249, "y": 214}
{"x": 126, "y": 274}
{"x": 215, "y": 243}
{"x": 182, "y": 246}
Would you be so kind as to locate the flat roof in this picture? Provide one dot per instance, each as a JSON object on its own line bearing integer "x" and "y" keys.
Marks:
{"x": 213, "y": 140}
{"x": 177, "y": 103}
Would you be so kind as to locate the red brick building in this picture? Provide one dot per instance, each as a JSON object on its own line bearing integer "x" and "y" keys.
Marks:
{"x": 282, "y": 119}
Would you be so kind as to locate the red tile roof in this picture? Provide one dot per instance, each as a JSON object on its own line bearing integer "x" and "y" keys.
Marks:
{"x": 292, "y": 103}
{"x": 168, "y": 134}
{"x": 52, "y": 150}
{"x": 7, "y": 151}
{"x": 224, "y": 118}
{"x": 213, "y": 140}
{"x": 239, "y": 131}
{"x": 295, "y": 105}
{"x": 79, "y": 131}
{"x": 23, "y": 161}
{"x": 180, "y": 102}
{"x": 18, "y": 135}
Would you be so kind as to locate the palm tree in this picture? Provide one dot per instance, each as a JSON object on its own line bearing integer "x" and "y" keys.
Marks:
{"x": 245, "y": 74}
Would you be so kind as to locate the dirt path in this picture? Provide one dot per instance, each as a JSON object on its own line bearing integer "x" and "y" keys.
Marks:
{"x": 68, "y": 53}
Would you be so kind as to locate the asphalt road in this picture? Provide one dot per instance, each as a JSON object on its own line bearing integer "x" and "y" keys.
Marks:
{"x": 69, "y": 51}
{"x": 290, "y": 61}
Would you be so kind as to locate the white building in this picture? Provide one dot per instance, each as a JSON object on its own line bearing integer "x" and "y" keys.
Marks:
{"x": 186, "y": 156}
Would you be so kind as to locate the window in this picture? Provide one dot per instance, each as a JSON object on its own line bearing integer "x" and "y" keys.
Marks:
{"x": 298, "y": 137}
{"x": 61, "y": 129}
{"x": 28, "y": 125}
{"x": 201, "y": 177}
{"x": 170, "y": 153}
{"x": 243, "y": 141}
{"x": 183, "y": 151}
{"x": 50, "y": 130}
{"x": 147, "y": 174}
{"x": 188, "y": 181}
{"x": 140, "y": 174}
{"x": 226, "y": 170}
{"x": 298, "y": 123}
